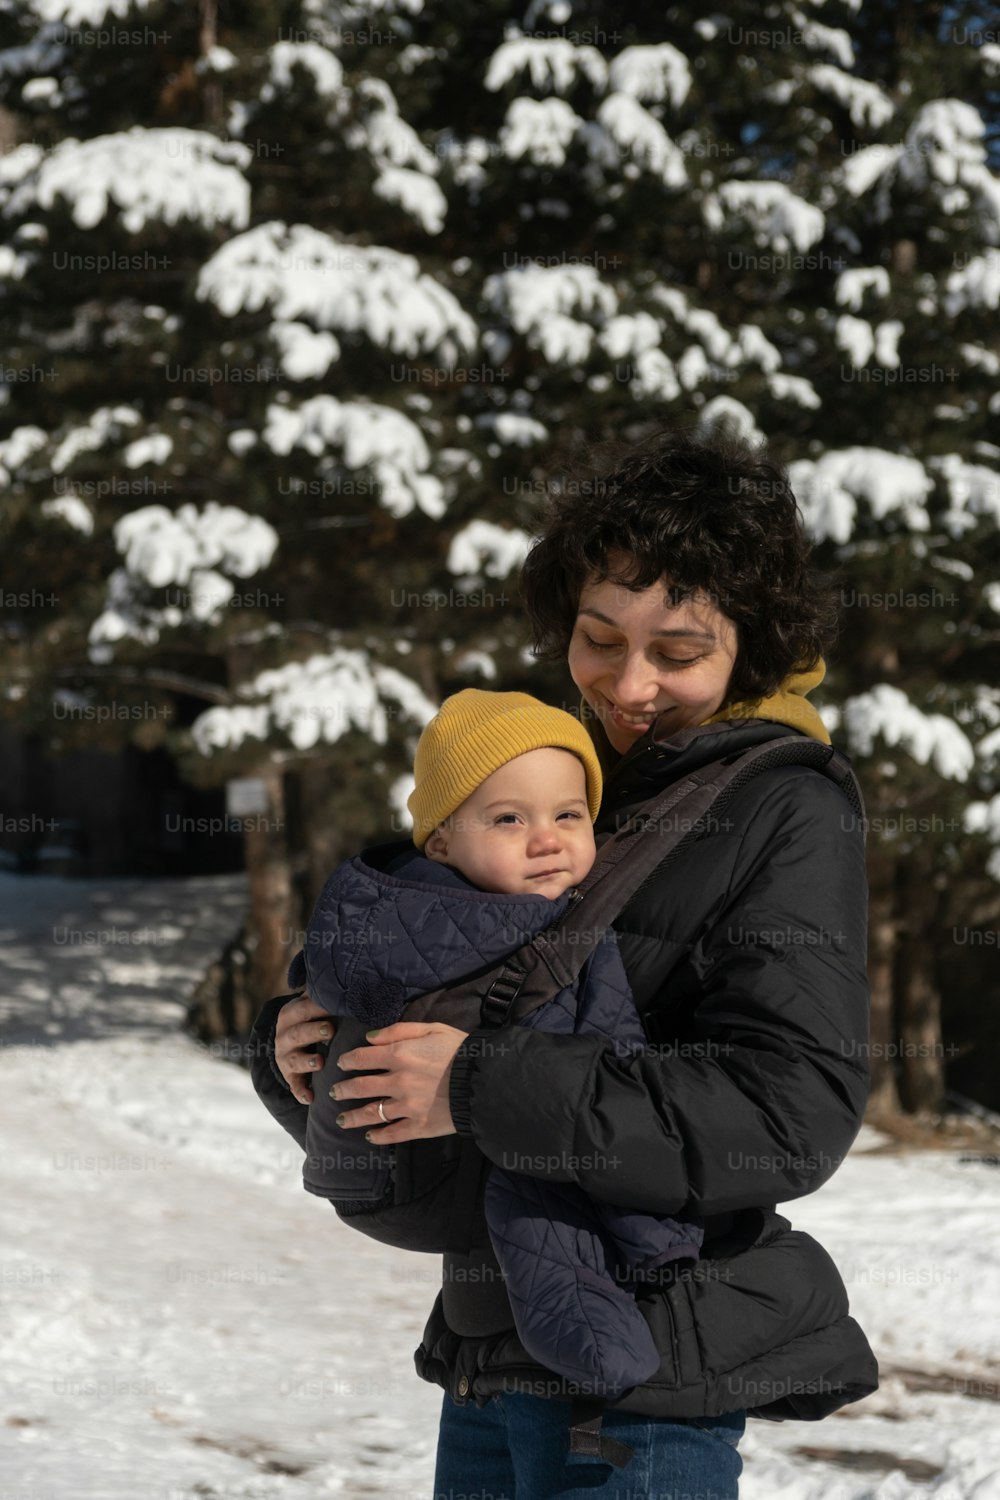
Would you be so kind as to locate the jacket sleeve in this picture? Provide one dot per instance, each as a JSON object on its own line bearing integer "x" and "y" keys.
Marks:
{"x": 764, "y": 1101}
{"x": 271, "y": 1088}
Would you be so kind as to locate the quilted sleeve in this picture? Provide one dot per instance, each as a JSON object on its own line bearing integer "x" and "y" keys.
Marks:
{"x": 768, "y": 1106}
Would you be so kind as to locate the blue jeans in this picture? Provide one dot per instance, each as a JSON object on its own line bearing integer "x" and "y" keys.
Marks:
{"x": 516, "y": 1447}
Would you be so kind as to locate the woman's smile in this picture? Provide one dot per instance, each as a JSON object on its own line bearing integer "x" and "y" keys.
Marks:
{"x": 629, "y": 719}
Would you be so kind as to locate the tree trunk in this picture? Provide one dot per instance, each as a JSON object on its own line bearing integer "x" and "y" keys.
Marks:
{"x": 883, "y": 1099}
{"x": 273, "y": 920}
{"x": 213, "y": 113}
{"x": 253, "y": 966}
{"x": 922, "y": 1080}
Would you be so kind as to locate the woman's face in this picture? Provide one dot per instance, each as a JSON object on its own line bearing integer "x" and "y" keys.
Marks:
{"x": 633, "y": 655}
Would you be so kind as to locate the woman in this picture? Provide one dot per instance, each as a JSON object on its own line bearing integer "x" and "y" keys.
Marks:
{"x": 680, "y": 594}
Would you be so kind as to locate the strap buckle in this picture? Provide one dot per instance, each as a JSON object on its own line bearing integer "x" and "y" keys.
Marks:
{"x": 501, "y": 995}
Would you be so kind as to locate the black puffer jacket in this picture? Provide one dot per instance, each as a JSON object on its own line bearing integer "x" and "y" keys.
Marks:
{"x": 747, "y": 960}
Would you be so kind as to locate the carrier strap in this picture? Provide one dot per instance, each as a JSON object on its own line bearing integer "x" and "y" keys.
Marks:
{"x": 585, "y": 1435}
{"x": 472, "y": 1164}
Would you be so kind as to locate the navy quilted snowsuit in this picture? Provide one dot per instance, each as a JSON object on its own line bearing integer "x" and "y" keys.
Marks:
{"x": 380, "y": 937}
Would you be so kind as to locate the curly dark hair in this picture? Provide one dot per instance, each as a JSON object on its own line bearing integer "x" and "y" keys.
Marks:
{"x": 715, "y": 515}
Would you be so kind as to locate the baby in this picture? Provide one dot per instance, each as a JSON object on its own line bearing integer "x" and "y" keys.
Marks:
{"x": 505, "y": 797}
{"x": 506, "y": 793}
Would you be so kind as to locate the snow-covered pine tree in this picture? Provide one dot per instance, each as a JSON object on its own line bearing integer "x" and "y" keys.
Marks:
{"x": 412, "y": 259}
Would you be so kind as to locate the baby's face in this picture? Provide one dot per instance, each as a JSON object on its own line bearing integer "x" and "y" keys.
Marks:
{"x": 525, "y": 830}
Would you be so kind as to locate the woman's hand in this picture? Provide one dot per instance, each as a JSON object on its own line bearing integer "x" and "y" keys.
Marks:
{"x": 416, "y": 1056}
{"x": 301, "y": 1023}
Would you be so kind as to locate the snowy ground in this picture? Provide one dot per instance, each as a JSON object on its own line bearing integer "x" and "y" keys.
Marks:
{"x": 182, "y": 1322}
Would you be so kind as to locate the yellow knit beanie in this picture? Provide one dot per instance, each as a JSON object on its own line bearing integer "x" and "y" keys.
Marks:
{"x": 472, "y": 735}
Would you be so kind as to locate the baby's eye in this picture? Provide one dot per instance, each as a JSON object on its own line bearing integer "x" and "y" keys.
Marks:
{"x": 507, "y": 818}
{"x": 570, "y": 814}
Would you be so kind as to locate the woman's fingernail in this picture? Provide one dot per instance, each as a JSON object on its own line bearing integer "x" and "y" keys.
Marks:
{"x": 370, "y": 1034}
{"x": 324, "y": 1030}
{"x": 340, "y": 1119}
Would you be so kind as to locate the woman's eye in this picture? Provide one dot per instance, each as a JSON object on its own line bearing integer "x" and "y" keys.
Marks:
{"x": 670, "y": 661}
{"x": 610, "y": 645}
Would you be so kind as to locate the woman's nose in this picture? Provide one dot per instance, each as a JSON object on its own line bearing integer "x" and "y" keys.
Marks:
{"x": 635, "y": 683}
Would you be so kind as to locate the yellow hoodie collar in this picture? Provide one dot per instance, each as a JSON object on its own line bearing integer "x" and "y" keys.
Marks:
{"x": 788, "y": 705}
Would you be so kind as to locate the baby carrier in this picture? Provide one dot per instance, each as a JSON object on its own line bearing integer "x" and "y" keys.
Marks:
{"x": 425, "y": 1195}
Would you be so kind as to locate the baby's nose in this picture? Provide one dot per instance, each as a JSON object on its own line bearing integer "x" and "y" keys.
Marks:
{"x": 546, "y": 838}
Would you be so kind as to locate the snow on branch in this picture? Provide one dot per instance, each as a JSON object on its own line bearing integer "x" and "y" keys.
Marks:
{"x": 858, "y": 339}
{"x": 389, "y": 138}
{"x": 102, "y": 426}
{"x": 315, "y": 702}
{"x": 19, "y": 163}
{"x": 820, "y": 38}
{"x": 483, "y": 548}
{"x": 160, "y": 175}
{"x": 154, "y": 448}
{"x": 828, "y": 489}
{"x": 538, "y": 302}
{"x": 713, "y": 358}
{"x": 725, "y": 412}
{"x": 775, "y": 215}
{"x": 554, "y": 63}
{"x": 868, "y": 104}
{"x": 13, "y": 266}
{"x": 322, "y": 66}
{"x": 72, "y": 510}
{"x": 305, "y": 355}
{"x": 513, "y": 428}
{"x": 373, "y": 437}
{"x": 164, "y": 547}
{"x": 16, "y": 449}
{"x": 974, "y": 285}
{"x": 794, "y": 388}
{"x": 540, "y": 129}
{"x": 886, "y": 712}
{"x": 85, "y": 12}
{"x": 984, "y": 818}
{"x": 871, "y": 169}
{"x": 973, "y": 491}
{"x": 629, "y": 131}
{"x": 183, "y": 548}
{"x": 944, "y": 144}
{"x": 851, "y": 286}
{"x": 943, "y": 154}
{"x": 301, "y": 273}
{"x": 417, "y": 195}
{"x": 651, "y": 74}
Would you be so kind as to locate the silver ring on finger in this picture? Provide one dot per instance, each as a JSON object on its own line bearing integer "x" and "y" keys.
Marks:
{"x": 381, "y": 1113}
